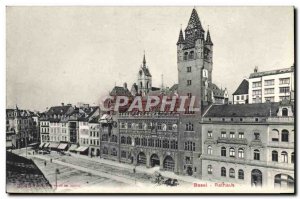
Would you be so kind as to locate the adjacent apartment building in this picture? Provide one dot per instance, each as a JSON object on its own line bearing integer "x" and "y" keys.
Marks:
{"x": 249, "y": 144}
{"x": 271, "y": 86}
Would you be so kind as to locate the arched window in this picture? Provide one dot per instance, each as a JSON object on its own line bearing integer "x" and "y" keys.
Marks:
{"x": 231, "y": 173}
{"x": 166, "y": 144}
{"x": 223, "y": 171}
{"x": 292, "y": 157}
{"x": 241, "y": 174}
{"x": 241, "y": 153}
{"x": 274, "y": 156}
{"x": 144, "y": 142}
{"x": 275, "y": 135}
{"x": 123, "y": 140}
{"x": 129, "y": 140}
{"x": 231, "y": 152}
{"x": 223, "y": 151}
{"x": 284, "y": 136}
{"x": 209, "y": 169}
{"x": 284, "y": 156}
{"x": 105, "y": 150}
{"x": 209, "y": 150}
{"x": 191, "y": 55}
{"x": 114, "y": 152}
{"x": 185, "y": 56}
{"x": 284, "y": 112}
{"x": 137, "y": 141}
{"x": 256, "y": 154}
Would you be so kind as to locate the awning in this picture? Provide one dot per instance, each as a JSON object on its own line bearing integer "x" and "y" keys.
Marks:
{"x": 73, "y": 147}
{"x": 41, "y": 145}
{"x": 33, "y": 144}
{"x": 106, "y": 118}
{"x": 81, "y": 148}
{"x": 53, "y": 145}
{"x": 62, "y": 146}
{"x": 46, "y": 145}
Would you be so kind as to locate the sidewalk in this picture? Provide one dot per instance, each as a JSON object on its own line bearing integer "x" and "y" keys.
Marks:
{"x": 142, "y": 169}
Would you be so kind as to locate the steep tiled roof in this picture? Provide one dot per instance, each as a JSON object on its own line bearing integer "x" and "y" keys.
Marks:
{"x": 146, "y": 71}
{"x": 194, "y": 21}
{"x": 216, "y": 90}
{"x": 58, "y": 110}
{"x": 180, "y": 38}
{"x": 243, "y": 110}
{"x": 208, "y": 39}
{"x": 120, "y": 91}
{"x": 243, "y": 88}
{"x": 174, "y": 88}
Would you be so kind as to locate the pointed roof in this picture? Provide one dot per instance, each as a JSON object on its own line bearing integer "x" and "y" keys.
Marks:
{"x": 243, "y": 88}
{"x": 144, "y": 60}
{"x": 208, "y": 39}
{"x": 194, "y": 21}
{"x": 180, "y": 38}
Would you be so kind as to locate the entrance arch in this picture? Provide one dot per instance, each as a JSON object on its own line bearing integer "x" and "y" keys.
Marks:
{"x": 283, "y": 181}
{"x": 189, "y": 171}
{"x": 154, "y": 160}
{"x": 141, "y": 158}
{"x": 169, "y": 163}
{"x": 256, "y": 178}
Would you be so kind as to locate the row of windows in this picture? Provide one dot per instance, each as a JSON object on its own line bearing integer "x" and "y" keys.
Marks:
{"x": 158, "y": 126}
{"x": 243, "y": 97}
{"x": 284, "y": 156}
{"x": 284, "y": 135}
{"x": 271, "y": 82}
{"x": 232, "y": 151}
{"x": 113, "y": 152}
{"x": 91, "y": 141}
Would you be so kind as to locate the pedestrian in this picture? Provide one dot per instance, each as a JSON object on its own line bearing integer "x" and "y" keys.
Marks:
{"x": 45, "y": 163}
{"x": 50, "y": 160}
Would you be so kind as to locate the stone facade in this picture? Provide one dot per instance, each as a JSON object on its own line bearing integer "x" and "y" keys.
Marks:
{"x": 257, "y": 151}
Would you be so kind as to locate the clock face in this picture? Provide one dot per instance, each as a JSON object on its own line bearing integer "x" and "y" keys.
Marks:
{"x": 204, "y": 73}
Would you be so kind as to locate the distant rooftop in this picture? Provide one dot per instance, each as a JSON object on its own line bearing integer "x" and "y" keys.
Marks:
{"x": 243, "y": 88}
{"x": 271, "y": 72}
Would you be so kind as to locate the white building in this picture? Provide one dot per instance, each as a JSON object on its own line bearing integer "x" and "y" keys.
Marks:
{"x": 240, "y": 96}
{"x": 273, "y": 86}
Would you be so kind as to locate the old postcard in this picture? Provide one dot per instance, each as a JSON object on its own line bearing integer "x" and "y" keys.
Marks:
{"x": 168, "y": 100}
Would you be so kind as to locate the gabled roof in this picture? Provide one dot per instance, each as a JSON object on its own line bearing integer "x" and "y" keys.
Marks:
{"x": 243, "y": 110}
{"x": 243, "y": 88}
{"x": 174, "y": 88}
{"x": 120, "y": 91}
{"x": 216, "y": 90}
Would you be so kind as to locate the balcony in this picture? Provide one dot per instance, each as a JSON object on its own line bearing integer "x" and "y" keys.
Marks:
{"x": 241, "y": 141}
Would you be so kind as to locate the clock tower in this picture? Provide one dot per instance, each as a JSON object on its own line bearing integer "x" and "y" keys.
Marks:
{"x": 194, "y": 64}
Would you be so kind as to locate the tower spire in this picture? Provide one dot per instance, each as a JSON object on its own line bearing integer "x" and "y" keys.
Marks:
{"x": 162, "y": 81}
{"x": 208, "y": 39}
{"x": 144, "y": 60}
{"x": 194, "y": 21}
{"x": 180, "y": 38}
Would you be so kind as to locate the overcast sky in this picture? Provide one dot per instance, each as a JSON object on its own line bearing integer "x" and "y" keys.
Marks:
{"x": 78, "y": 54}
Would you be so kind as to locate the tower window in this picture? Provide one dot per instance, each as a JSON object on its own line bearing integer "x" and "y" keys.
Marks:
{"x": 189, "y": 69}
{"x": 191, "y": 55}
{"x": 185, "y": 56}
{"x": 189, "y": 82}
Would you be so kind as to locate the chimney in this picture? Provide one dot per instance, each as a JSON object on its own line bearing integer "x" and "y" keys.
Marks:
{"x": 256, "y": 69}
{"x": 125, "y": 85}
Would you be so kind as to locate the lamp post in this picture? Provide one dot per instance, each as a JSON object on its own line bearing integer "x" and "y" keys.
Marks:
{"x": 56, "y": 173}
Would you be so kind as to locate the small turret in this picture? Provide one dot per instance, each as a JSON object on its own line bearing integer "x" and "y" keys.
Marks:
{"x": 180, "y": 38}
{"x": 208, "y": 39}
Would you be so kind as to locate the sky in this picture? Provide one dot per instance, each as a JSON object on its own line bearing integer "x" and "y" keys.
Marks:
{"x": 78, "y": 54}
